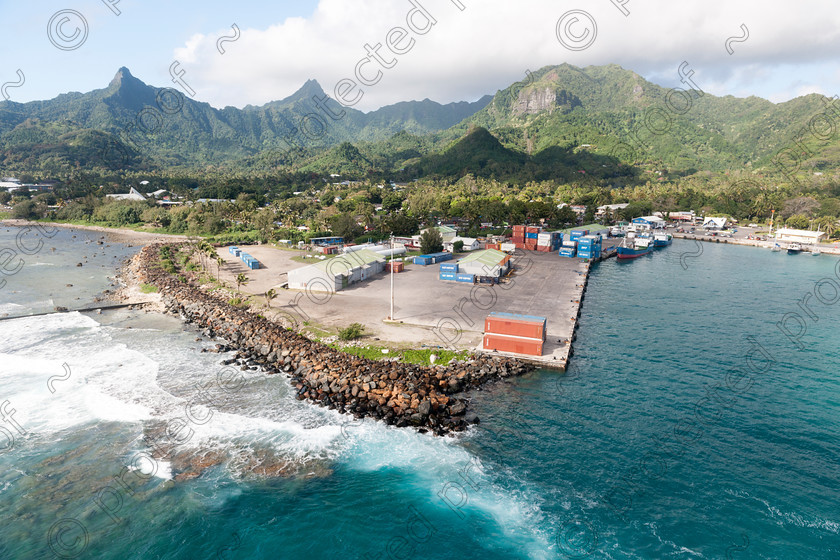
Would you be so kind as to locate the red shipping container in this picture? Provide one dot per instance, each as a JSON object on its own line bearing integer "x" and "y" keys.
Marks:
{"x": 491, "y": 246}
{"x": 398, "y": 266}
{"x": 531, "y": 245}
{"x": 517, "y": 239}
{"x": 518, "y": 230}
{"x": 543, "y": 249}
{"x": 513, "y": 344}
{"x": 519, "y": 245}
{"x": 514, "y": 327}
{"x": 533, "y": 229}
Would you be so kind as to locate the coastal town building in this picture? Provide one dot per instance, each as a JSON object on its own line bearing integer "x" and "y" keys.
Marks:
{"x": 470, "y": 244}
{"x": 715, "y": 222}
{"x": 649, "y": 222}
{"x": 611, "y": 208}
{"x": 132, "y": 194}
{"x": 787, "y": 235}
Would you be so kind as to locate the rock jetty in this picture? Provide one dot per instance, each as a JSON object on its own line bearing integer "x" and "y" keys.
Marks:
{"x": 399, "y": 394}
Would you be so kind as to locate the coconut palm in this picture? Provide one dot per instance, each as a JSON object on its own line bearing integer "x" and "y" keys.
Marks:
{"x": 270, "y": 295}
{"x": 241, "y": 279}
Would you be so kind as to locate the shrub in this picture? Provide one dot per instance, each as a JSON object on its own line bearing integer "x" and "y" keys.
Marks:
{"x": 354, "y": 331}
{"x": 148, "y": 288}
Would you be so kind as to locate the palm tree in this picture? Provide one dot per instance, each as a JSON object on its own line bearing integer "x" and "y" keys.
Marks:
{"x": 241, "y": 279}
{"x": 270, "y": 295}
{"x": 219, "y": 262}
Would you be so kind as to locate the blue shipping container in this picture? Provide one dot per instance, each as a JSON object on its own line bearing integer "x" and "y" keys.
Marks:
{"x": 449, "y": 267}
{"x": 447, "y": 276}
{"x": 422, "y": 260}
{"x": 232, "y": 249}
{"x": 532, "y": 236}
{"x": 463, "y": 277}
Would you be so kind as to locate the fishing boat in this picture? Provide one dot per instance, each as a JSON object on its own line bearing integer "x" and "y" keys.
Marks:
{"x": 635, "y": 248}
{"x": 794, "y": 249}
{"x": 662, "y": 239}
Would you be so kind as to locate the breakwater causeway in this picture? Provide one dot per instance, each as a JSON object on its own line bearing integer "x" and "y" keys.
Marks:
{"x": 398, "y": 394}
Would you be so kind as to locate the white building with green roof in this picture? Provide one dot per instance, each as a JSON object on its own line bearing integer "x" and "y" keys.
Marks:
{"x": 488, "y": 262}
{"x": 332, "y": 275}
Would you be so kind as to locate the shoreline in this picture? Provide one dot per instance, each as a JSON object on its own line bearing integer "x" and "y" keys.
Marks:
{"x": 117, "y": 235}
{"x": 824, "y": 248}
{"x": 429, "y": 398}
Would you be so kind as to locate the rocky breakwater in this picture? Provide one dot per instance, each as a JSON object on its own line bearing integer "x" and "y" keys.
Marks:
{"x": 396, "y": 393}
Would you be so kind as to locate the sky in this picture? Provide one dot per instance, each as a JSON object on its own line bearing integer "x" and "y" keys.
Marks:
{"x": 370, "y": 53}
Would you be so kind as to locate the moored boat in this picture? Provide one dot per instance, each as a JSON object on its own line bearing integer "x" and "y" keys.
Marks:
{"x": 634, "y": 249}
{"x": 662, "y": 239}
{"x": 794, "y": 249}
{"x": 815, "y": 251}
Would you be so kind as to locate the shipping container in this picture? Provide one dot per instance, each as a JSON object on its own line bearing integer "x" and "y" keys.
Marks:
{"x": 492, "y": 246}
{"x": 449, "y": 267}
{"x": 447, "y": 276}
{"x": 569, "y": 243}
{"x": 423, "y": 261}
{"x": 507, "y": 247}
{"x": 512, "y": 344}
{"x": 580, "y": 232}
{"x": 231, "y": 249}
{"x": 519, "y": 229}
{"x": 466, "y": 278}
{"x": 398, "y": 266}
{"x": 511, "y": 324}
{"x": 533, "y": 229}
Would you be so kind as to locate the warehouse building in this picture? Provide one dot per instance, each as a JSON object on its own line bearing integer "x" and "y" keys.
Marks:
{"x": 799, "y": 236}
{"x": 332, "y": 275}
{"x": 489, "y": 262}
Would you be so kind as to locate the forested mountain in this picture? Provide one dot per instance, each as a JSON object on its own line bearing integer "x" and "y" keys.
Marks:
{"x": 130, "y": 124}
{"x": 562, "y": 123}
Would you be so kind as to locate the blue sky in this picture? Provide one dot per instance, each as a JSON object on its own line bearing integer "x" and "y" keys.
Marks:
{"x": 791, "y": 50}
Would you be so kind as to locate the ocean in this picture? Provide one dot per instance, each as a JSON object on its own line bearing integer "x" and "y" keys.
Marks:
{"x": 698, "y": 419}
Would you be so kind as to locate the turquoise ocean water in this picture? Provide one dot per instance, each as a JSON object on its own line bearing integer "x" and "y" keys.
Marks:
{"x": 688, "y": 426}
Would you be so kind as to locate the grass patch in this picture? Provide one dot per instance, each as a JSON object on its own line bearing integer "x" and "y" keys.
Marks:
{"x": 419, "y": 357}
{"x": 352, "y": 332}
{"x": 148, "y": 288}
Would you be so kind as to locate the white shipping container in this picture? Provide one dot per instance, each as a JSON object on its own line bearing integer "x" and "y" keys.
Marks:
{"x": 507, "y": 247}
{"x": 546, "y": 236}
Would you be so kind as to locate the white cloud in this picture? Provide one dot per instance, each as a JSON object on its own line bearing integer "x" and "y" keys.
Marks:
{"x": 490, "y": 44}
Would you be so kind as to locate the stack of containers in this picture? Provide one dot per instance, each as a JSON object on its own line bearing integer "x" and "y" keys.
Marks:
{"x": 548, "y": 241}
{"x": 518, "y": 237}
{"x": 567, "y": 251}
{"x": 576, "y": 234}
{"x": 519, "y": 334}
{"x": 433, "y": 258}
{"x": 532, "y": 234}
{"x": 589, "y": 247}
{"x": 249, "y": 261}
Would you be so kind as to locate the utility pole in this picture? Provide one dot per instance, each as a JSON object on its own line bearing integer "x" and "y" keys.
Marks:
{"x": 392, "y": 277}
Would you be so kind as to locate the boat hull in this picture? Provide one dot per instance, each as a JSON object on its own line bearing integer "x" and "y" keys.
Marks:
{"x": 628, "y": 253}
{"x": 661, "y": 242}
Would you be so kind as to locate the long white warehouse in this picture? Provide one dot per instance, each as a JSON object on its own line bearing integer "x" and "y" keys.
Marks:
{"x": 332, "y": 275}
